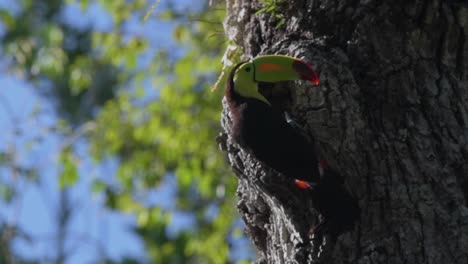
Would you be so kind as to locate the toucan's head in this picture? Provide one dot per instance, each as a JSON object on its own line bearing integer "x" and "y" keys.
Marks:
{"x": 269, "y": 69}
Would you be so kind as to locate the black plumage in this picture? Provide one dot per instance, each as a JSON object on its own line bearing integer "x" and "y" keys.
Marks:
{"x": 263, "y": 130}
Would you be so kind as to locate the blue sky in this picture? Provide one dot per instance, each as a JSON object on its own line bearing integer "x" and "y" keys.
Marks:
{"x": 94, "y": 230}
{"x": 34, "y": 210}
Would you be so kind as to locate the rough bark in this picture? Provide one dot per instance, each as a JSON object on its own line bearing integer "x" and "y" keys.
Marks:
{"x": 390, "y": 114}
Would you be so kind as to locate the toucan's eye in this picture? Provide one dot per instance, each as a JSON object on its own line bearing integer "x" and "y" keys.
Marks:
{"x": 247, "y": 69}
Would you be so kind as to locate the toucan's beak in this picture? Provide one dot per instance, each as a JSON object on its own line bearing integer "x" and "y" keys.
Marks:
{"x": 277, "y": 68}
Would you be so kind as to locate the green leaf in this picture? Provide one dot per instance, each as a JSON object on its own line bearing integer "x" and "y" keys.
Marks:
{"x": 6, "y": 193}
{"x": 69, "y": 174}
{"x": 98, "y": 186}
{"x": 84, "y": 4}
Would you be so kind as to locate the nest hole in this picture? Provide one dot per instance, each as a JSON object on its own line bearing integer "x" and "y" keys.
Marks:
{"x": 280, "y": 94}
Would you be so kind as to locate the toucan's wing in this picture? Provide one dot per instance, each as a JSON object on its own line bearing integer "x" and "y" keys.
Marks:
{"x": 274, "y": 142}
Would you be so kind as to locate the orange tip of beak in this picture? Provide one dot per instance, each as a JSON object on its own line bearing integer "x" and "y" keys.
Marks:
{"x": 302, "y": 184}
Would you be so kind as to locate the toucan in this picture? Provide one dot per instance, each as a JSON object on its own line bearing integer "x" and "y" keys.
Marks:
{"x": 262, "y": 130}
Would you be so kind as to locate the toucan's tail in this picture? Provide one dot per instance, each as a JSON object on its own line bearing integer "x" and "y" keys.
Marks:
{"x": 333, "y": 201}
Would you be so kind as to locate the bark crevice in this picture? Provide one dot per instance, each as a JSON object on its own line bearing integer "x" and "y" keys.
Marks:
{"x": 390, "y": 115}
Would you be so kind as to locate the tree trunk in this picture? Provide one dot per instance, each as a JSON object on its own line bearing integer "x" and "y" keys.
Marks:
{"x": 390, "y": 114}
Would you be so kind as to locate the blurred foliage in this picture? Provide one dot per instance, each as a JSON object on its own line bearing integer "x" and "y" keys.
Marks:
{"x": 165, "y": 129}
{"x": 59, "y": 59}
{"x": 69, "y": 173}
{"x": 7, "y": 233}
{"x": 173, "y": 134}
{"x": 273, "y": 7}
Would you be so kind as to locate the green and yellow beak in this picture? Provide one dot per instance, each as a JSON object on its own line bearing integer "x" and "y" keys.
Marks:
{"x": 277, "y": 68}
